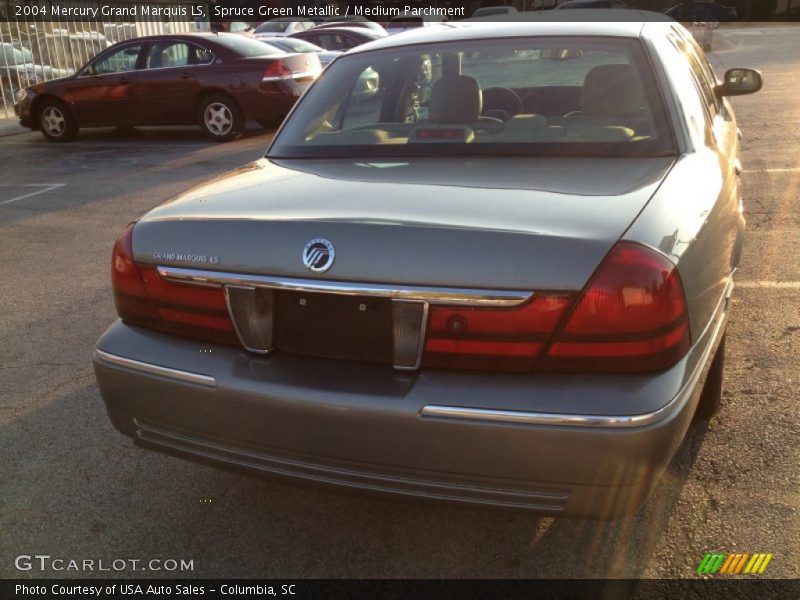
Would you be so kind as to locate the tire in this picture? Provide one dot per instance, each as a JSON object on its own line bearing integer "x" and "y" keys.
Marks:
{"x": 56, "y": 122}
{"x": 220, "y": 118}
{"x": 711, "y": 397}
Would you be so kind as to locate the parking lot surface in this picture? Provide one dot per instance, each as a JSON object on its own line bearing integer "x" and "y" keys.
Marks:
{"x": 74, "y": 488}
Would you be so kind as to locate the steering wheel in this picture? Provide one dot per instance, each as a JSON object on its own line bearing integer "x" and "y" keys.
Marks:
{"x": 501, "y": 103}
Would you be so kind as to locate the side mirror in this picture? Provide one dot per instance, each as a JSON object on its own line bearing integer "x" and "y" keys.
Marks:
{"x": 740, "y": 82}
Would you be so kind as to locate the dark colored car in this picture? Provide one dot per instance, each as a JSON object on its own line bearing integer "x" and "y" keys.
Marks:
{"x": 592, "y": 4}
{"x": 217, "y": 80}
{"x": 339, "y": 38}
{"x": 702, "y": 12}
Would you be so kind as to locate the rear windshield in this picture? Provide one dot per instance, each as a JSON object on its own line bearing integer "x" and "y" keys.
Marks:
{"x": 563, "y": 96}
{"x": 245, "y": 46}
{"x": 294, "y": 45}
{"x": 272, "y": 27}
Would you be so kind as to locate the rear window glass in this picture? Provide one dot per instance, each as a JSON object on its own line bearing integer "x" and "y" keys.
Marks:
{"x": 574, "y": 95}
{"x": 245, "y": 46}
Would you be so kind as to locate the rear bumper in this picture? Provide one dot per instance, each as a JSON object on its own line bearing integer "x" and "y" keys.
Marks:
{"x": 547, "y": 443}
{"x": 271, "y": 100}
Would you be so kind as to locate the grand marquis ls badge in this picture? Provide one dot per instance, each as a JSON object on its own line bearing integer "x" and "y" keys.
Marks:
{"x": 318, "y": 255}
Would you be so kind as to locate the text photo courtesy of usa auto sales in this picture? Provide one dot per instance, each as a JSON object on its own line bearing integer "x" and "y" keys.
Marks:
{"x": 322, "y": 299}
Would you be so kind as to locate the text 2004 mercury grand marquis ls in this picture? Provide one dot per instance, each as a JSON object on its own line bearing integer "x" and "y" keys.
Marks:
{"x": 501, "y": 279}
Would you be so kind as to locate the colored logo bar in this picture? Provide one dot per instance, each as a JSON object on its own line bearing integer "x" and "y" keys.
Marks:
{"x": 731, "y": 564}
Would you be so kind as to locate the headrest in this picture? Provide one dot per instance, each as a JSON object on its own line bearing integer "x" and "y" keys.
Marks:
{"x": 612, "y": 90}
{"x": 456, "y": 99}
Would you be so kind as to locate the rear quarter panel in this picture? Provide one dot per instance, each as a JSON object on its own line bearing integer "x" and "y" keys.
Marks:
{"x": 696, "y": 216}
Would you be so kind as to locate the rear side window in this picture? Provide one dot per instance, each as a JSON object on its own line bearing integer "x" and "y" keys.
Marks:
{"x": 689, "y": 95}
{"x": 203, "y": 56}
{"x": 704, "y": 81}
{"x": 164, "y": 55}
{"x": 244, "y": 46}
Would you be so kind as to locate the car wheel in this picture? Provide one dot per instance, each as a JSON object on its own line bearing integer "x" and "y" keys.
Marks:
{"x": 56, "y": 122}
{"x": 221, "y": 119}
{"x": 711, "y": 397}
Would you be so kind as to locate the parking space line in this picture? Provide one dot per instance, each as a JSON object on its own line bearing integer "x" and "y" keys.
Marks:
{"x": 45, "y": 187}
{"x": 787, "y": 285}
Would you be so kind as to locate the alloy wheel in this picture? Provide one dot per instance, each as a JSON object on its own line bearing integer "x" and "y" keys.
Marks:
{"x": 53, "y": 121}
{"x": 218, "y": 118}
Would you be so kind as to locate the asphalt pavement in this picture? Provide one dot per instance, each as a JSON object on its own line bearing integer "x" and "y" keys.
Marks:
{"x": 72, "y": 487}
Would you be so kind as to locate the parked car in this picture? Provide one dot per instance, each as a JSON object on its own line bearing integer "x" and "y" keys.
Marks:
{"x": 403, "y": 23}
{"x": 510, "y": 291}
{"x": 493, "y": 11}
{"x": 377, "y": 27}
{"x": 352, "y": 21}
{"x": 282, "y": 26}
{"x": 701, "y": 18}
{"x": 298, "y": 46}
{"x": 217, "y": 80}
{"x": 339, "y": 38}
{"x": 710, "y": 12}
{"x": 591, "y": 4}
{"x": 18, "y": 69}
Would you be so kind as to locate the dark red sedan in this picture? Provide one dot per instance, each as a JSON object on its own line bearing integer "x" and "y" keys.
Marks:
{"x": 219, "y": 81}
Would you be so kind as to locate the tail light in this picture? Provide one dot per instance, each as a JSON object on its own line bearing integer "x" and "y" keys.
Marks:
{"x": 277, "y": 71}
{"x": 146, "y": 299}
{"x": 495, "y": 339}
{"x": 631, "y": 317}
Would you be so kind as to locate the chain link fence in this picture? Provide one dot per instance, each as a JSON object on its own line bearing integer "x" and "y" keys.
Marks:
{"x": 35, "y": 51}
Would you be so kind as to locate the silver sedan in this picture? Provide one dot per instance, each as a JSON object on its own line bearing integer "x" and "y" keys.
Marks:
{"x": 502, "y": 279}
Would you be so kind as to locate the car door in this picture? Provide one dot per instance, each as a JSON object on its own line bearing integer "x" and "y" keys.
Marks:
{"x": 103, "y": 94}
{"x": 168, "y": 82}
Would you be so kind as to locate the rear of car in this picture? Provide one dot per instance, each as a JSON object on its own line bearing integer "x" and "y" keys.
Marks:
{"x": 461, "y": 288}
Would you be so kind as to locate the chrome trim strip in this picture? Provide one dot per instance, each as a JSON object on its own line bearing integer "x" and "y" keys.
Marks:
{"x": 433, "y": 295}
{"x": 614, "y": 421}
{"x": 151, "y": 369}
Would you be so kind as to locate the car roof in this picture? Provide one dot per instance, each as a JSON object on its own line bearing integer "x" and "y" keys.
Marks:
{"x": 193, "y": 35}
{"x": 625, "y": 23}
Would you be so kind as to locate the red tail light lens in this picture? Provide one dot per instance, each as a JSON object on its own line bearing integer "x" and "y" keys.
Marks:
{"x": 145, "y": 299}
{"x": 493, "y": 339}
{"x": 276, "y": 71}
{"x": 631, "y": 317}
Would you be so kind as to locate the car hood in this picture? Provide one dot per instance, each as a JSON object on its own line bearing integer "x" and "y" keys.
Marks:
{"x": 504, "y": 223}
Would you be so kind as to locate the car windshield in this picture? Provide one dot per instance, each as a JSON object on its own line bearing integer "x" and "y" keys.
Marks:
{"x": 272, "y": 27}
{"x": 561, "y": 96}
{"x": 244, "y": 46}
